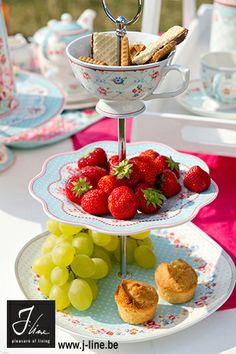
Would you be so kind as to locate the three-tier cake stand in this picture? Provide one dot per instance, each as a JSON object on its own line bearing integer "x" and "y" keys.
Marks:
{"x": 101, "y": 320}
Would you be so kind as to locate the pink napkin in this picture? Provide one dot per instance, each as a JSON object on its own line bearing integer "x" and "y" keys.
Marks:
{"x": 218, "y": 219}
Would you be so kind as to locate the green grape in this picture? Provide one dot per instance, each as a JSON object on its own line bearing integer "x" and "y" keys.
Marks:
{"x": 99, "y": 252}
{"x": 145, "y": 257}
{"x": 99, "y": 238}
{"x": 63, "y": 254}
{"x": 60, "y": 295}
{"x": 83, "y": 244}
{"x": 141, "y": 235}
{"x": 49, "y": 243}
{"x": 69, "y": 229}
{"x": 146, "y": 242}
{"x": 93, "y": 285}
{"x": 112, "y": 244}
{"x": 80, "y": 294}
{"x": 53, "y": 227}
{"x": 45, "y": 285}
{"x": 83, "y": 266}
{"x": 59, "y": 276}
{"x": 131, "y": 245}
{"x": 65, "y": 238}
{"x": 43, "y": 265}
{"x": 101, "y": 268}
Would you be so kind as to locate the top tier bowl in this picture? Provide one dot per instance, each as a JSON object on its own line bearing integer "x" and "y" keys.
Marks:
{"x": 122, "y": 89}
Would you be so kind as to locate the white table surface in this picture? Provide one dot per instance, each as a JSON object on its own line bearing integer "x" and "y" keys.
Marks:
{"x": 22, "y": 218}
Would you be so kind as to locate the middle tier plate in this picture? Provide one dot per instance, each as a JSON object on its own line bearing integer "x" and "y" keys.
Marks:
{"x": 48, "y": 188}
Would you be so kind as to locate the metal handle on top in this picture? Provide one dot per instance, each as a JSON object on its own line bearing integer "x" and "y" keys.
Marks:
{"x": 121, "y": 21}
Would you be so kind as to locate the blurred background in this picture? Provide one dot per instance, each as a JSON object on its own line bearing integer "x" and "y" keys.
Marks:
{"x": 26, "y": 16}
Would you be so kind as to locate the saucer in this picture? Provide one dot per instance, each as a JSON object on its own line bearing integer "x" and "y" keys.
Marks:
{"x": 7, "y": 158}
{"x": 196, "y": 101}
{"x": 38, "y": 100}
{"x": 58, "y": 128}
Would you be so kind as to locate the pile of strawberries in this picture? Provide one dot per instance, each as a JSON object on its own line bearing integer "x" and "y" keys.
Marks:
{"x": 142, "y": 183}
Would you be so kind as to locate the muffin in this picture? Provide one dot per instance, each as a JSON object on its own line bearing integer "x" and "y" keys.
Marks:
{"x": 176, "y": 281}
{"x": 136, "y": 301}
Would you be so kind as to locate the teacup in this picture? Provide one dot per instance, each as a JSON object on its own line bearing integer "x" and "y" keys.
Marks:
{"x": 122, "y": 89}
{"x": 218, "y": 76}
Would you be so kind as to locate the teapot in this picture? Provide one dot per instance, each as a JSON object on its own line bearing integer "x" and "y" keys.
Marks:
{"x": 50, "y": 45}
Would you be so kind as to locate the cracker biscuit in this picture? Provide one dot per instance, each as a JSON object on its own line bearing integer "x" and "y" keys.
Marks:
{"x": 176, "y": 33}
{"x": 92, "y": 61}
{"x": 135, "y": 49}
{"x": 106, "y": 47}
{"x": 163, "y": 52}
{"x": 125, "y": 53}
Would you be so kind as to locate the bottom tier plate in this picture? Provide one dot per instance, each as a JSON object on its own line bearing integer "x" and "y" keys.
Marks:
{"x": 216, "y": 280}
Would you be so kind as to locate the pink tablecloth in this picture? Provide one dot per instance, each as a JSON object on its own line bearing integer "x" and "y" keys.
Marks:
{"x": 218, "y": 219}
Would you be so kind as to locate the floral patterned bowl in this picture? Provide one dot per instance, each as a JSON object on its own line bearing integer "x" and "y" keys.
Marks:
{"x": 48, "y": 188}
{"x": 121, "y": 89}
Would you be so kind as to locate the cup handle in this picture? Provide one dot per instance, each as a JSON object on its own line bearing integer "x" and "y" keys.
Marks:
{"x": 216, "y": 86}
{"x": 185, "y": 75}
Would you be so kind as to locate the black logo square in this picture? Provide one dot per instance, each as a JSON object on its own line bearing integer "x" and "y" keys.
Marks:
{"x": 30, "y": 324}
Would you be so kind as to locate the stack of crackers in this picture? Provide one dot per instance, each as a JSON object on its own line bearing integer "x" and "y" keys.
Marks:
{"x": 109, "y": 49}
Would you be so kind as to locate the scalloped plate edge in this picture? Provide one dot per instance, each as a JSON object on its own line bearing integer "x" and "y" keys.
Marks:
{"x": 152, "y": 336}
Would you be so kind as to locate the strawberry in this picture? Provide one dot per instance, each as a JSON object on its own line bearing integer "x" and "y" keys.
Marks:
{"x": 150, "y": 200}
{"x": 76, "y": 186}
{"x": 150, "y": 153}
{"x": 96, "y": 157}
{"x": 122, "y": 203}
{"x": 127, "y": 172}
{"x": 94, "y": 173}
{"x": 112, "y": 162}
{"x": 197, "y": 180}
{"x": 169, "y": 184}
{"x": 108, "y": 183}
{"x": 95, "y": 202}
{"x": 147, "y": 167}
{"x": 164, "y": 162}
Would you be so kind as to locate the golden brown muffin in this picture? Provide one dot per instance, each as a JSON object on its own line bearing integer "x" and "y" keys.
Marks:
{"x": 176, "y": 281}
{"x": 136, "y": 301}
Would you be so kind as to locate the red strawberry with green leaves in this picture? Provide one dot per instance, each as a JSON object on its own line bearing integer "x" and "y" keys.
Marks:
{"x": 96, "y": 157}
{"x": 95, "y": 202}
{"x": 94, "y": 173}
{"x": 197, "y": 180}
{"x": 127, "y": 172}
{"x": 169, "y": 184}
{"x": 150, "y": 153}
{"x": 164, "y": 162}
{"x": 123, "y": 203}
{"x": 147, "y": 167}
{"x": 150, "y": 200}
{"x": 112, "y": 162}
{"x": 76, "y": 187}
{"x": 108, "y": 183}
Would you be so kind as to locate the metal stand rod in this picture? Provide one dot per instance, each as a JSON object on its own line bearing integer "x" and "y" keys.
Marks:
{"x": 122, "y": 156}
{"x": 121, "y": 139}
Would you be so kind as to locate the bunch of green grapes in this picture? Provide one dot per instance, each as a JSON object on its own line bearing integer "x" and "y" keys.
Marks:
{"x": 70, "y": 266}
{"x": 73, "y": 260}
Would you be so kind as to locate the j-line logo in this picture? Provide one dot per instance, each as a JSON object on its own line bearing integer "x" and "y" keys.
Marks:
{"x": 30, "y": 324}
